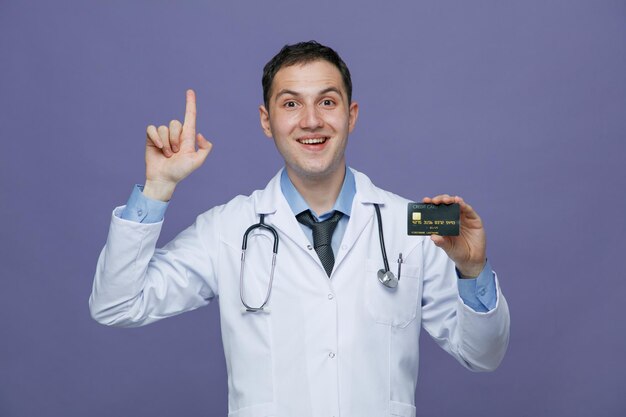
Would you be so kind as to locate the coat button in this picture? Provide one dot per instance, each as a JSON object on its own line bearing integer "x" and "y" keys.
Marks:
{"x": 309, "y": 247}
{"x": 331, "y": 355}
{"x": 330, "y": 296}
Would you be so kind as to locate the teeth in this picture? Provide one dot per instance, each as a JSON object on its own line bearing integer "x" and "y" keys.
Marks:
{"x": 312, "y": 141}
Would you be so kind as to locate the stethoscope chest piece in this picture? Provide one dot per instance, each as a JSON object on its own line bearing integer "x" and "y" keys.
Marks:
{"x": 388, "y": 279}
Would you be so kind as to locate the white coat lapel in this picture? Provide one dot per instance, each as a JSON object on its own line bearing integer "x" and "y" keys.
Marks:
{"x": 273, "y": 204}
{"x": 362, "y": 213}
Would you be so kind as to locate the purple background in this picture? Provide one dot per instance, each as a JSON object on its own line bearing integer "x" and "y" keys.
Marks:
{"x": 520, "y": 107}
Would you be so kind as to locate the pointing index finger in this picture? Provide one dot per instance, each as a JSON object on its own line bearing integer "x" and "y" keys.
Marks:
{"x": 190, "y": 112}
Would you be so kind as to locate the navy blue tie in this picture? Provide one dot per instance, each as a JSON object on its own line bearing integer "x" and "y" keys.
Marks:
{"x": 322, "y": 236}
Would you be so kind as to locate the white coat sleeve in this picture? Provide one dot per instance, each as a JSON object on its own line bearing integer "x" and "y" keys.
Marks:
{"x": 136, "y": 284}
{"x": 478, "y": 340}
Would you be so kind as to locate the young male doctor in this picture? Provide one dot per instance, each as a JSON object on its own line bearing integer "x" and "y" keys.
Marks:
{"x": 314, "y": 332}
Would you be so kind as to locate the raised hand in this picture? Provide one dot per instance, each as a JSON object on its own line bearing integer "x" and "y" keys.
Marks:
{"x": 468, "y": 249}
{"x": 171, "y": 153}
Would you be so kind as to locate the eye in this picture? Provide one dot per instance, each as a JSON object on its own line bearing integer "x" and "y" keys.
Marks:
{"x": 327, "y": 102}
{"x": 289, "y": 104}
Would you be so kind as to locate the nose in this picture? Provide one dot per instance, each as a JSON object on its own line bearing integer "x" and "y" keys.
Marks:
{"x": 311, "y": 118}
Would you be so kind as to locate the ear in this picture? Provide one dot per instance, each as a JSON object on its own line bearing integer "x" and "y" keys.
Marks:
{"x": 354, "y": 114}
{"x": 264, "y": 115}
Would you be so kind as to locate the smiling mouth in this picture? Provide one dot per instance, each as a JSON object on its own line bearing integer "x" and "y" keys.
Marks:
{"x": 313, "y": 141}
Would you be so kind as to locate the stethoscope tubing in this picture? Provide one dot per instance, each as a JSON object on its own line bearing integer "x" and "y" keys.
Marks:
{"x": 244, "y": 246}
{"x": 380, "y": 236}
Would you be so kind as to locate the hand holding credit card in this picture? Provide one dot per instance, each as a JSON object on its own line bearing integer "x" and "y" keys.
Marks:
{"x": 469, "y": 246}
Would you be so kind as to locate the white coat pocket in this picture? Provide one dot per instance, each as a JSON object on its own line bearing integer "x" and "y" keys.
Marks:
{"x": 392, "y": 306}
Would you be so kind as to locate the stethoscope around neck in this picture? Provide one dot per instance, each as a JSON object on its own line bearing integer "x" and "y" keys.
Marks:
{"x": 384, "y": 275}
{"x": 260, "y": 225}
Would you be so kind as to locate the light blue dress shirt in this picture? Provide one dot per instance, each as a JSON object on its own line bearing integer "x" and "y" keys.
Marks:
{"x": 477, "y": 293}
{"x": 343, "y": 204}
{"x": 142, "y": 209}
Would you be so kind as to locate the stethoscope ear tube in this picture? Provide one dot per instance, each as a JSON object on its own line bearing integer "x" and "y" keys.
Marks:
{"x": 261, "y": 224}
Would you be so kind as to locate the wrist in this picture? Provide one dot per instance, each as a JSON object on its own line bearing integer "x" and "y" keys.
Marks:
{"x": 159, "y": 190}
{"x": 470, "y": 271}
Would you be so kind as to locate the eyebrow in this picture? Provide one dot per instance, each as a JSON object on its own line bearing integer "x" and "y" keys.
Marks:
{"x": 296, "y": 94}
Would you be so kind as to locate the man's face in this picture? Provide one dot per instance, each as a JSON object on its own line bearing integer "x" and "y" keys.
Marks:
{"x": 310, "y": 118}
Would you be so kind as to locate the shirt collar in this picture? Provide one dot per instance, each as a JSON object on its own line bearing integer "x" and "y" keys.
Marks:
{"x": 298, "y": 204}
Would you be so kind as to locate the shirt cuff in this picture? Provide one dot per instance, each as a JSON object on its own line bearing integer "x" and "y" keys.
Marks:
{"x": 479, "y": 293}
{"x": 142, "y": 209}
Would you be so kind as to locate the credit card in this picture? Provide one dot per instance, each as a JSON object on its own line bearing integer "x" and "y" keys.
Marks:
{"x": 433, "y": 219}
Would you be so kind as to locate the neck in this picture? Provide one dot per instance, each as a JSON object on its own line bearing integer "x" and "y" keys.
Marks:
{"x": 319, "y": 193}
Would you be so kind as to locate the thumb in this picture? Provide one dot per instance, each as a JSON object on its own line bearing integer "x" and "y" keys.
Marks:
{"x": 441, "y": 242}
{"x": 204, "y": 147}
